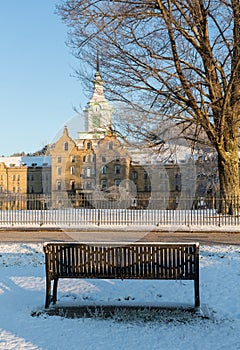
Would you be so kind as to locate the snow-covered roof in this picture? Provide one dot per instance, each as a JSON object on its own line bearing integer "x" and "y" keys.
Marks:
{"x": 29, "y": 161}
{"x": 167, "y": 155}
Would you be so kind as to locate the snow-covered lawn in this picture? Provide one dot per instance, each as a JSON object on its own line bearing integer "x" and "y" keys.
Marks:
{"x": 22, "y": 292}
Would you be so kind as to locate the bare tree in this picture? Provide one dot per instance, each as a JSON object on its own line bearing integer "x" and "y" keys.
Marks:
{"x": 178, "y": 60}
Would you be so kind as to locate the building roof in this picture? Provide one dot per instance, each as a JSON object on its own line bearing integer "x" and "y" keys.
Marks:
{"x": 29, "y": 161}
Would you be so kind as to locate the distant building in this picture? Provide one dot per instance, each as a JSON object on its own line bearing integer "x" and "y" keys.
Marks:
{"x": 99, "y": 169}
{"x": 23, "y": 177}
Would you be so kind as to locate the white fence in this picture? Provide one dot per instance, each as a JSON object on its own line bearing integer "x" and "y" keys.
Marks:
{"x": 114, "y": 217}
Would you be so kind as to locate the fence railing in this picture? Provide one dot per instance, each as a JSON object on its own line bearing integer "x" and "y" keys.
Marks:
{"x": 43, "y": 211}
{"x": 115, "y": 217}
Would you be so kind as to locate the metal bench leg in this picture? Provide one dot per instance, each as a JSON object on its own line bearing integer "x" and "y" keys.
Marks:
{"x": 48, "y": 292}
{"x": 196, "y": 291}
{"x": 55, "y": 284}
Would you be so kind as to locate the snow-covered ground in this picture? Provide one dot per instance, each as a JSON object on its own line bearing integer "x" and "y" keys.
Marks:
{"x": 22, "y": 293}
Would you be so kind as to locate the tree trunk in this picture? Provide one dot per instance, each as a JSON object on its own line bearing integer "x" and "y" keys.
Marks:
{"x": 229, "y": 181}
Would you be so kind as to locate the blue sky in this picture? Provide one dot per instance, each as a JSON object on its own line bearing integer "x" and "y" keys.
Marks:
{"x": 38, "y": 91}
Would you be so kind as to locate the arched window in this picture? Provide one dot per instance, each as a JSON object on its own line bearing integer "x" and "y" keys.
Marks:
{"x": 117, "y": 169}
{"x": 66, "y": 146}
{"x": 104, "y": 169}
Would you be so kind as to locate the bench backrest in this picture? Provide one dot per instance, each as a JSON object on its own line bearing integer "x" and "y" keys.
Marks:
{"x": 132, "y": 260}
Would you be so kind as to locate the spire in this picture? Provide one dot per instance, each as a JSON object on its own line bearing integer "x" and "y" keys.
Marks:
{"x": 98, "y": 90}
{"x": 98, "y": 113}
{"x": 98, "y": 64}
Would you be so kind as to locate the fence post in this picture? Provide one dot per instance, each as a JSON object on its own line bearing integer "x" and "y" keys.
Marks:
{"x": 99, "y": 217}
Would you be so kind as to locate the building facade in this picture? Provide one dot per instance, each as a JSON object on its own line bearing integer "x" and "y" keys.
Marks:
{"x": 99, "y": 169}
{"x": 24, "y": 182}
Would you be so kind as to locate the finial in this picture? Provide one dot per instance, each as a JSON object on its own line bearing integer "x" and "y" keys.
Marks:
{"x": 98, "y": 65}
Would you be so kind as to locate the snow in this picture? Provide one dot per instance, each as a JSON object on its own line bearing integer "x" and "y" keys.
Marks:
{"x": 22, "y": 293}
{"x": 26, "y": 160}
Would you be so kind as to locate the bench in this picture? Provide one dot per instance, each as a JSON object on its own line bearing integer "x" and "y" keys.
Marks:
{"x": 150, "y": 260}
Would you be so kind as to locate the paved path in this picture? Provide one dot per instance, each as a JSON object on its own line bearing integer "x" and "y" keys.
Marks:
{"x": 122, "y": 236}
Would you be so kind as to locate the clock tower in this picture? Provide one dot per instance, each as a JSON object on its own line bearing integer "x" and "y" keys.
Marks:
{"x": 98, "y": 112}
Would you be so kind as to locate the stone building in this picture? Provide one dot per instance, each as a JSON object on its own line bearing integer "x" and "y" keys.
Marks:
{"x": 24, "y": 181}
{"x": 99, "y": 169}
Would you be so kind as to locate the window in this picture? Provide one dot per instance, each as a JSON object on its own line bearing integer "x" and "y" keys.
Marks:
{"x": 59, "y": 171}
{"x": 84, "y": 159}
{"x": 72, "y": 184}
{"x": 72, "y": 170}
{"x": 14, "y": 177}
{"x": 110, "y": 145}
{"x": 117, "y": 182}
{"x": 117, "y": 169}
{"x": 59, "y": 185}
{"x": 96, "y": 121}
{"x": 66, "y": 146}
{"x": 103, "y": 184}
{"x": 104, "y": 169}
{"x": 89, "y": 145}
{"x": 89, "y": 185}
{"x": 178, "y": 182}
{"x": 59, "y": 159}
{"x": 103, "y": 159}
{"x": 147, "y": 188}
{"x": 88, "y": 172}
{"x": 135, "y": 175}
{"x": 73, "y": 159}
